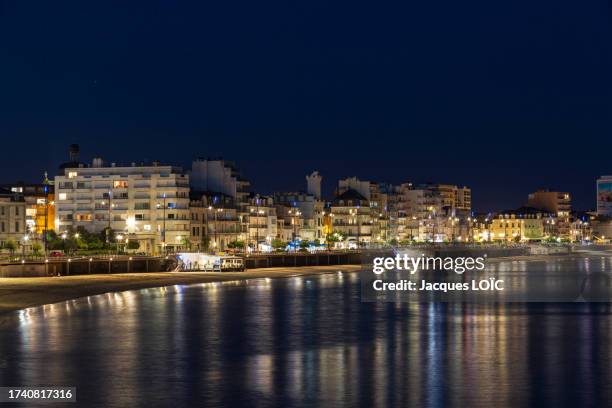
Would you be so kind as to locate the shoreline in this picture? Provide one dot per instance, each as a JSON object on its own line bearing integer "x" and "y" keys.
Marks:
{"x": 22, "y": 293}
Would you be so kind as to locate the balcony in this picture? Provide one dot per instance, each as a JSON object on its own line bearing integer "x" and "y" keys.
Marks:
{"x": 142, "y": 219}
{"x": 160, "y": 219}
{"x": 172, "y": 185}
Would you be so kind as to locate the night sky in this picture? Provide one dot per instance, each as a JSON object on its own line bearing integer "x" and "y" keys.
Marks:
{"x": 502, "y": 96}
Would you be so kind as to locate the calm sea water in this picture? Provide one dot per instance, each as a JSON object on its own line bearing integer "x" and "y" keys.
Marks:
{"x": 309, "y": 341}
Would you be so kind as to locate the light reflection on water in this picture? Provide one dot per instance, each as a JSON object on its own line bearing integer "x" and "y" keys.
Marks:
{"x": 304, "y": 341}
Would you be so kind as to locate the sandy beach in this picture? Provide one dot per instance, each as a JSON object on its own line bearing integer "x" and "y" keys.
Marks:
{"x": 20, "y": 293}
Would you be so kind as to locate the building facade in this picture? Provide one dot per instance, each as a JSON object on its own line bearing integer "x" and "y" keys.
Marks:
{"x": 555, "y": 202}
{"x": 351, "y": 218}
{"x": 40, "y": 206}
{"x": 303, "y": 211}
{"x": 261, "y": 222}
{"x": 215, "y": 223}
{"x": 145, "y": 203}
{"x": 12, "y": 219}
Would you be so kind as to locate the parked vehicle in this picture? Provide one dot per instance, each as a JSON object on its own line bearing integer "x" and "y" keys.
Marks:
{"x": 232, "y": 263}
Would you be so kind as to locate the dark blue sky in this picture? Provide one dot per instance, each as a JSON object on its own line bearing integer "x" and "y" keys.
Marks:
{"x": 503, "y": 96}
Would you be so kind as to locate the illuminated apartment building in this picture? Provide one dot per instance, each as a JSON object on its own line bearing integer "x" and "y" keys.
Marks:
{"x": 453, "y": 198}
{"x": 215, "y": 222}
{"x": 147, "y": 203}
{"x": 351, "y": 216}
{"x": 40, "y": 206}
{"x": 381, "y": 199}
{"x": 12, "y": 218}
{"x": 301, "y": 214}
{"x": 262, "y": 225}
{"x": 524, "y": 224}
{"x": 555, "y": 202}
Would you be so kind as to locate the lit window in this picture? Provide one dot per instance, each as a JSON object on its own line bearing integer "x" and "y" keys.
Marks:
{"x": 72, "y": 174}
{"x": 120, "y": 184}
{"x": 62, "y": 196}
{"x": 17, "y": 189}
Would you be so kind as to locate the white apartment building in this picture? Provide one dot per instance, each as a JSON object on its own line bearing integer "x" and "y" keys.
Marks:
{"x": 351, "y": 216}
{"x": 147, "y": 203}
{"x": 381, "y": 199}
{"x": 262, "y": 225}
{"x": 432, "y": 212}
{"x": 303, "y": 211}
{"x": 219, "y": 176}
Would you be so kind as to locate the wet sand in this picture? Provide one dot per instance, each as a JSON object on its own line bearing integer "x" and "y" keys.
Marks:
{"x": 20, "y": 293}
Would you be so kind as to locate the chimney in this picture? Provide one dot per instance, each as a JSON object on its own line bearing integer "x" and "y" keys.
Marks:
{"x": 97, "y": 162}
{"x": 74, "y": 153}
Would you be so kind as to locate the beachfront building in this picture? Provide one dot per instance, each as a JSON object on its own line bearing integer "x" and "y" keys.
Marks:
{"x": 12, "y": 219}
{"x": 351, "y": 218}
{"x": 555, "y": 202}
{"x": 581, "y": 228}
{"x": 454, "y": 198}
{"x": 558, "y": 206}
{"x": 301, "y": 211}
{"x": 382, "y": 202}
{"x": 522, "y": 224}
{"x": 147, "y": 203}
{"x": 433, "y": 212}
{"x": 40, "y": 205}
{"x": 214, "y": 176}
{"x": 261, "y": 222}
{"x": 215, "y": 222}
{"x": 290, "y": 223}
{"x": 219, "y": 176}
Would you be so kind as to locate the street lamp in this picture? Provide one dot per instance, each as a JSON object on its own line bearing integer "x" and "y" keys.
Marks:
{"x": 25, "y": 241}
{"x": 46, "y": 226}
{"x": 163, "y": 230}
{"x": 110, "y": 205}
{"x": 64, "y": 236}
{"x": 217, "y": 211}
{"x": 119, "y": 238}
{"x": 295, "y": 214}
